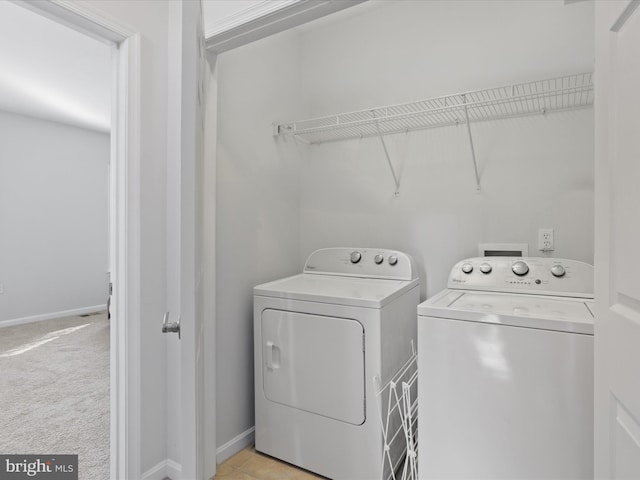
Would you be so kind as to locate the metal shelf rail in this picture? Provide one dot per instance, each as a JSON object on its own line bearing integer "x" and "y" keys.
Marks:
{"x": 538, "y": 97}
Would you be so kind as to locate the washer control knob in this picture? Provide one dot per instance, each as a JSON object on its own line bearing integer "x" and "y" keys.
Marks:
{"x": 356, "y": 257}
{"x": 558, "y": 271}
{"x": 393, "y": 260}
{"x": 467, "y": 267}
{"x": 520, "y": 268}
{"x": 485, "y": 268}
{"x": 378, "y": 259}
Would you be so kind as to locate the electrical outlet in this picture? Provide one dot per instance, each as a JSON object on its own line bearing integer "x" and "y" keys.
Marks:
{"x": 545, "y": 239}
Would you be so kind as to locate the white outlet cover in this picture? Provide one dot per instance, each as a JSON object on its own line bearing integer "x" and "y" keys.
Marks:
{"x": 545, "y": 239}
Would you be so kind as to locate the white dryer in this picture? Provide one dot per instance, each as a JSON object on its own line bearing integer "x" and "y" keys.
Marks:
{"x": 320, "y": 338}
{"x": 505, "y": 361}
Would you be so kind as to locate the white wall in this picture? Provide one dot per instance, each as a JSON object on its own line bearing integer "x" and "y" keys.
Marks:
{"x": 54, "y": 217}
{"x": 535, "y": 171}
{"x": 257, "y": 225}
{"x": 150, "y": 19}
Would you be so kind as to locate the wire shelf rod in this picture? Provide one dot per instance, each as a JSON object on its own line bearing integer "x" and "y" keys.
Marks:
{"x": 473, "y": 152}
{"x": 567, "y": 92}
{"x": 315, "y": 138}
{"x": 532, "y": 102}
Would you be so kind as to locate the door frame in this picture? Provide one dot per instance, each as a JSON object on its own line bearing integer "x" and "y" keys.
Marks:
{"x": 124, "y": 220}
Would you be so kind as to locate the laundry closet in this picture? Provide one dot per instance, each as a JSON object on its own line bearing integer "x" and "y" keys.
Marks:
{"x": 279, "y": 198}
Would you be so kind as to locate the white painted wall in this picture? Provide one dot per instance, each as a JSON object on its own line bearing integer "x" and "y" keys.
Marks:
{"x": 150, "y": 19}
{"x": 536, "y": 171}
{"x": 257, "y": 224}
{"x": 54, "y": 217}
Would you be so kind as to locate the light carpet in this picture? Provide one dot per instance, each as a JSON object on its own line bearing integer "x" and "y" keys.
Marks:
{"x": 54, "y": 391}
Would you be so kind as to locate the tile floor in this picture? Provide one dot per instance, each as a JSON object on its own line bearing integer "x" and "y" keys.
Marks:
{"x": 251, "y": 465}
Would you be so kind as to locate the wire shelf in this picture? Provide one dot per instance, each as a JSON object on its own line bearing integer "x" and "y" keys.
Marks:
{"x": 541, "y": 96}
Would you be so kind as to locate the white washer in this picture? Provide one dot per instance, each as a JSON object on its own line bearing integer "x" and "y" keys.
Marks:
{"x": 320, "y": 338}
{"x": 505, "y": 361}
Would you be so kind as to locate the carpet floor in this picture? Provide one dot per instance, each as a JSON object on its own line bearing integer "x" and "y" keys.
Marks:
{"x": 54, "y": 391}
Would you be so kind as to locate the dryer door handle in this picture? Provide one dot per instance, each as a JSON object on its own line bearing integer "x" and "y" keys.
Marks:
{"x": 273, "y": 356}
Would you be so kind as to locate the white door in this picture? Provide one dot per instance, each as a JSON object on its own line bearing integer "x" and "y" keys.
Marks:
{"x": 617, "y": 228}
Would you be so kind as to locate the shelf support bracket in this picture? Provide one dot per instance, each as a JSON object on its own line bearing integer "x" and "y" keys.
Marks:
{"x": 473, "y": 152}
{"x": 386, "y": 153}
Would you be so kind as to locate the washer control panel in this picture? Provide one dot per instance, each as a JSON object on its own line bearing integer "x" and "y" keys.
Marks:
{"x": 548, "y": 276}
{"x": 362, "y": 262}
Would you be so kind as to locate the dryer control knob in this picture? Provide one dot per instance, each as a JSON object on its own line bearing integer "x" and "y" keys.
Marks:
{"x": 485, "y": 268}
{"x": 467, "y": 267}
{"x": 520, "y": 268}
{"x": 393, "y": 260}
{"x": 378, "y": 259}
{"x": 356, "y": 257}
{"x": 558, "y": 271}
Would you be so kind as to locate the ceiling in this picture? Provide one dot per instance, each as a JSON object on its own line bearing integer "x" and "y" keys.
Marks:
{"x": 52, "y": 72}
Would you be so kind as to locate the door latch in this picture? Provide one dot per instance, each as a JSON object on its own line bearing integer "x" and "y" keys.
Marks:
{"x": 170, "y": 327}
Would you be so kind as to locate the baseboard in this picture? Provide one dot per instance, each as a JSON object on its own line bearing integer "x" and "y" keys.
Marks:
{"x": 174, "y": 470}
{"x": 236, "y": 444}
{"x": 165, "y": 469}
{"x": 49, "y": 316}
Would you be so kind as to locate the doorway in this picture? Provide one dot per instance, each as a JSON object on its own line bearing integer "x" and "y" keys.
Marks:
{"x": 55, "y": 113}
{"x": 124, "y": 222}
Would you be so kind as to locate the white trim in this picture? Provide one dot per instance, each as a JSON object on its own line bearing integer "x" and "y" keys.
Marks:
{"x": 50, "y": 316}
{"x": 78, "y": 18}
{"x": 245, "y": 15}
{"x": 165, "y": 469}
{"x": 248, "y": 26}
{"x": 625, "y": 15}
{"x": 235, "y": 445}
{"x": 157, "y": 472}
{"x": 174, "y": 470}
{"x": 126, "y": 375}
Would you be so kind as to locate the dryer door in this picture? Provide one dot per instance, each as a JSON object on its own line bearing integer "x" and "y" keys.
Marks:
{"x": 314, "y": 363}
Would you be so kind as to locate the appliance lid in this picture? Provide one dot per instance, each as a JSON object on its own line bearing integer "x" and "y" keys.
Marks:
{"x": 563, "y": 314}
{"x": 337, "y": 290}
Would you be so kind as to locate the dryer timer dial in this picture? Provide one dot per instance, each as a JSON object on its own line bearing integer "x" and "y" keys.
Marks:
{"x": 356, "y": 257}
{"x": 485, "y": 268}
{"x": 520, "y": 268}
